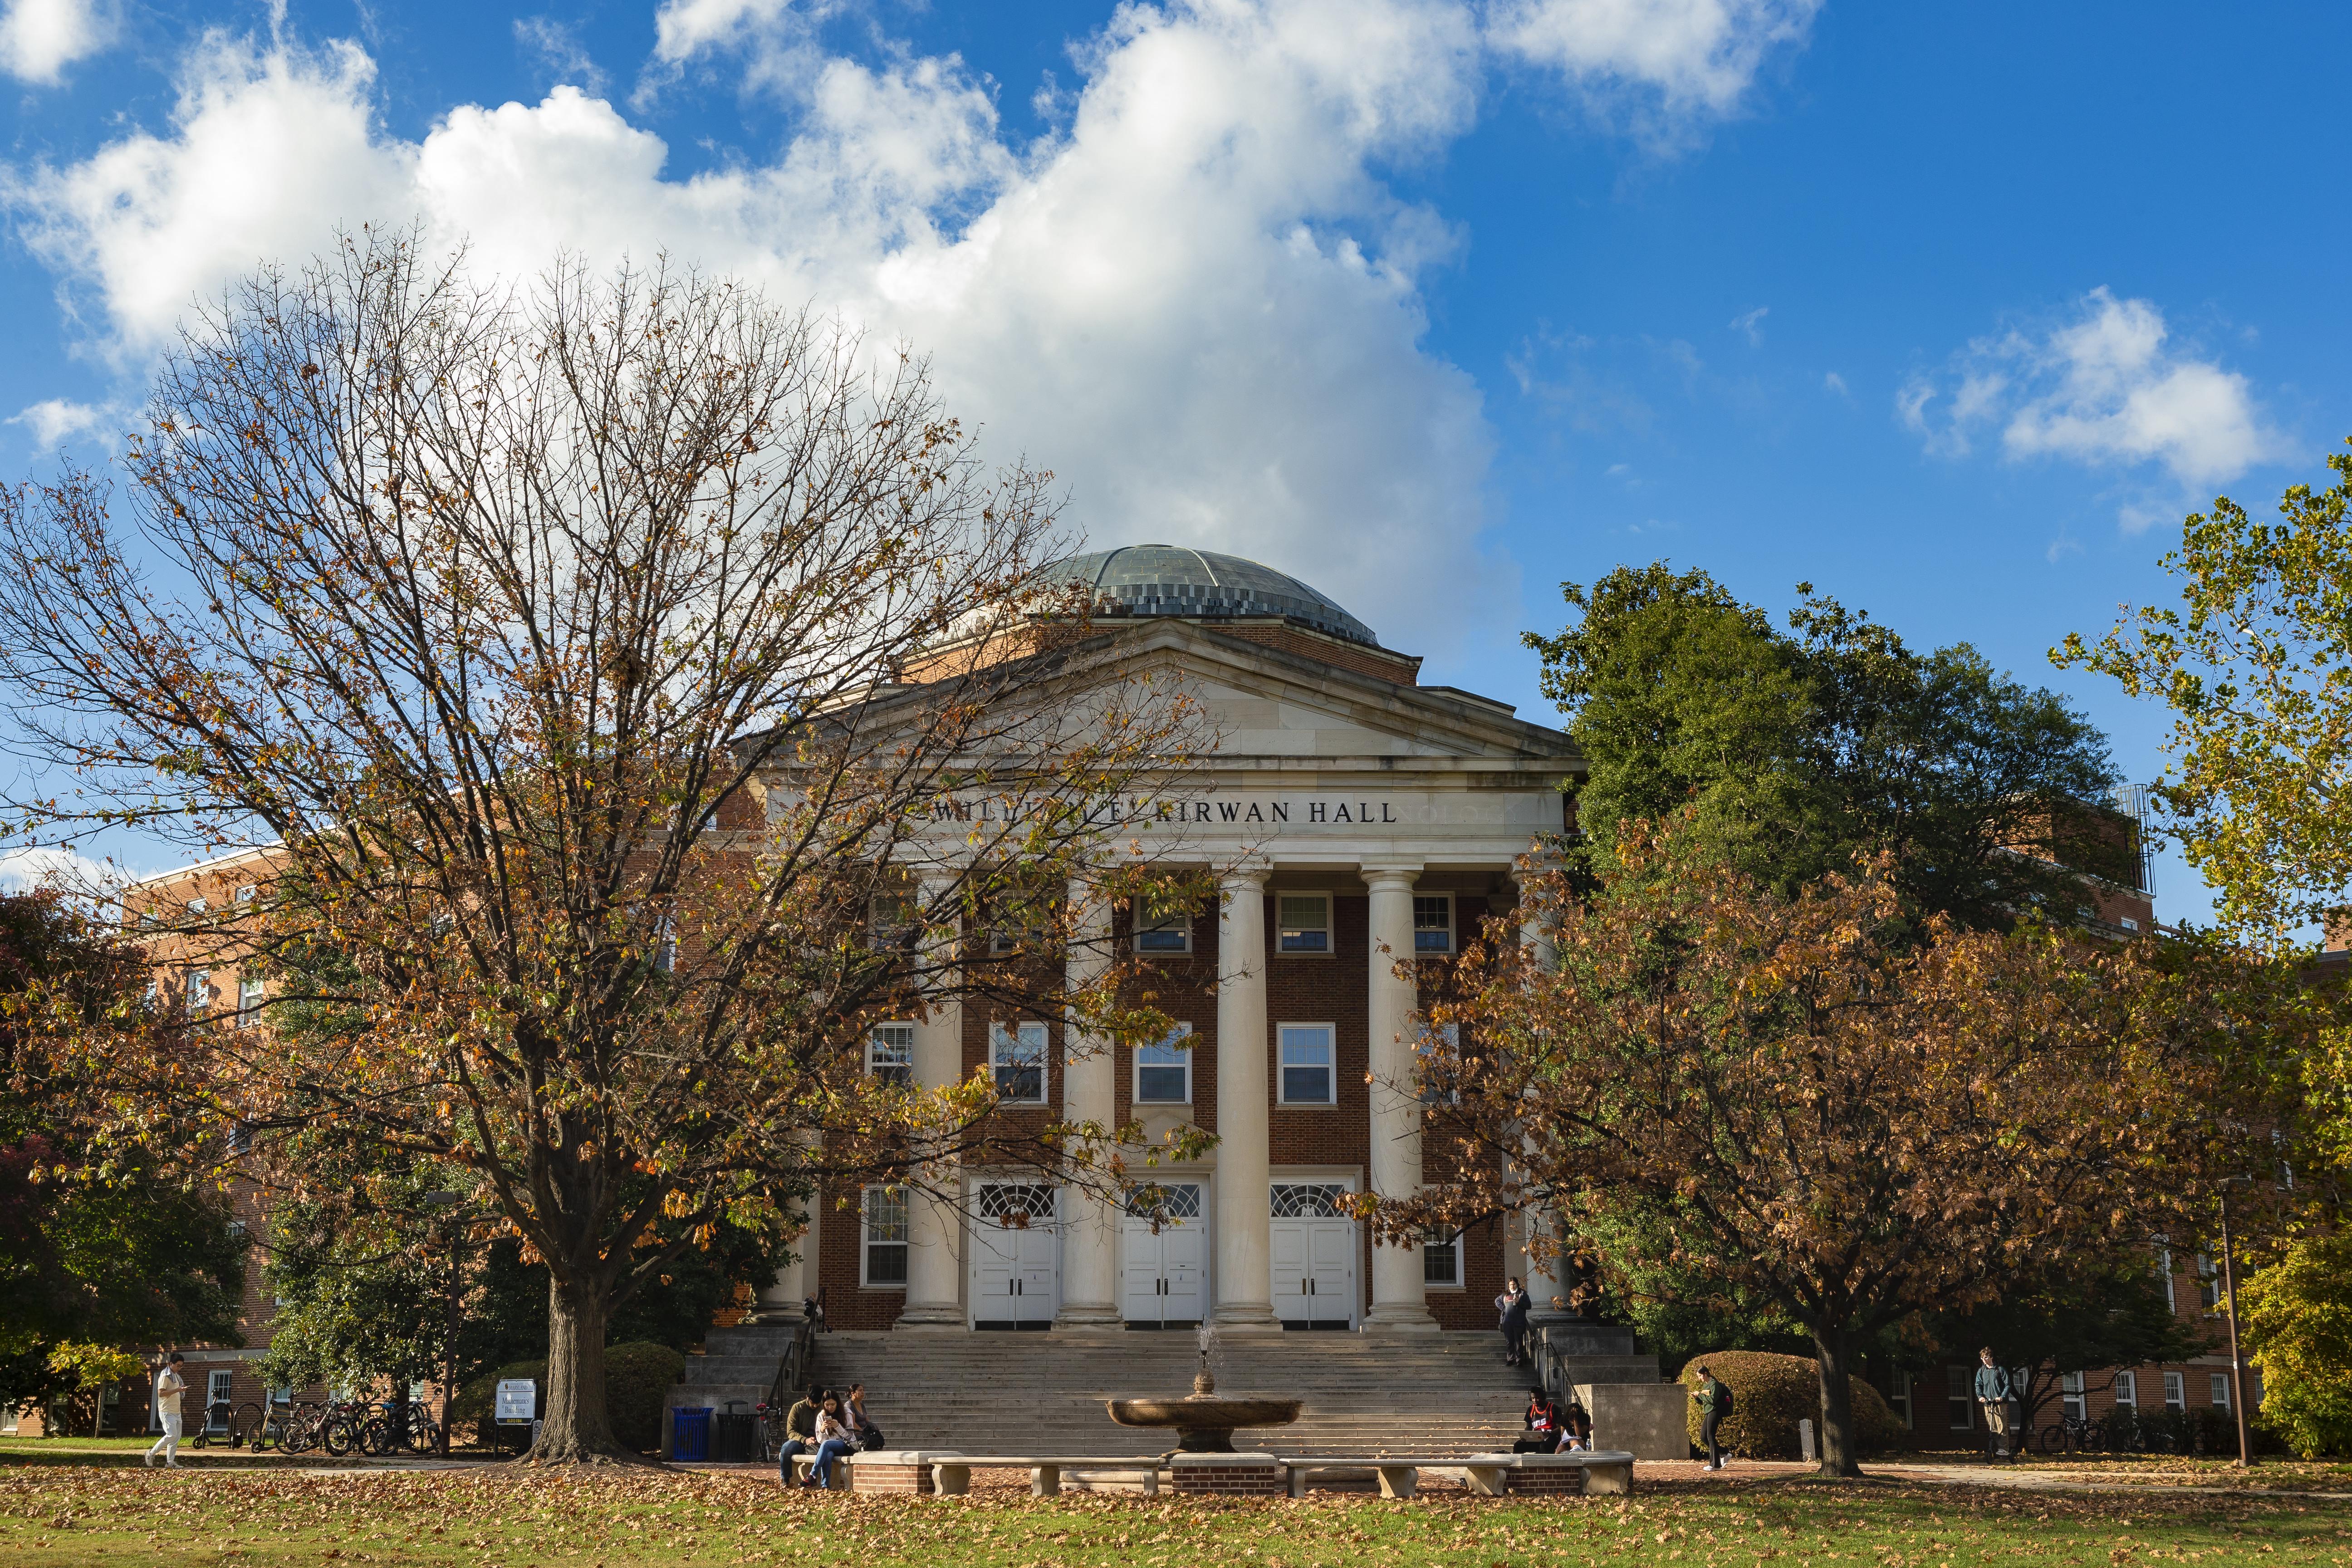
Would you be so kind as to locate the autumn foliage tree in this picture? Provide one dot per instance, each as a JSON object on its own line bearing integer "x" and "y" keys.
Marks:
{"x": 1771, "y": 1092}
{"x": 557, "y": 644}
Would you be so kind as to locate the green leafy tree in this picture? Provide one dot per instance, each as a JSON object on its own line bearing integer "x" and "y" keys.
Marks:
{"x": 2255, "y": 662}
{"x": 98, "y": 1247}
{"x": 1793, "y": 751}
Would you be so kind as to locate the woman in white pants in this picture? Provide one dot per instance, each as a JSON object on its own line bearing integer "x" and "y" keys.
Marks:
{"x": 168, "y": 1389}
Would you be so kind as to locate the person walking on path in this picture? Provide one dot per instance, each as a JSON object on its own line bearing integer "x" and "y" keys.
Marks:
{"x": 1992, "y": 1398}
{"x": 1511, "y": 1306}
{"x": 168, "y": 1389}
{"x": 1714, "y": 1402}
{"x": 800, "y": 1432}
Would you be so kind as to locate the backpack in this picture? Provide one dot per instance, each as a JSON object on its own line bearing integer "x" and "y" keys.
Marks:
{"x": 1723, "y": 1400}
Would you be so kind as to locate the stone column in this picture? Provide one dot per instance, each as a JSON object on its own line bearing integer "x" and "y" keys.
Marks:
{"x": 1400, "y": 1301}
{"x": 795, "y": 1282}
{"x": 1543, "y": 1280}
{"x": 1244, "y": 1289}
{"x": 1090, "y": 1093}
{"x": 935, "y": 1228}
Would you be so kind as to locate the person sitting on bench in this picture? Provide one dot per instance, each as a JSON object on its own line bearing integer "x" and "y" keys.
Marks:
{"x": 1545, "y": 1426}
{"x": 800, "y": 1432}
{"x": 1576, "y": 1429}
{"x": 833, "y": 1438}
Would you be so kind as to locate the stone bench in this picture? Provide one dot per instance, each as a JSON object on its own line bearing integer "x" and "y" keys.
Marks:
{"x": 1603, "y": 1474}
{"x": 949, "y": 1474}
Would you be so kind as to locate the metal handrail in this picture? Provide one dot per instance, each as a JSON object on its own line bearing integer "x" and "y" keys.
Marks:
{"x": 792, "y": 1367}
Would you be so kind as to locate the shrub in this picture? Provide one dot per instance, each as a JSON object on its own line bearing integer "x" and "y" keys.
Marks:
{"x": 637, "y": 1379}
{"x": 1771, "y": 1393}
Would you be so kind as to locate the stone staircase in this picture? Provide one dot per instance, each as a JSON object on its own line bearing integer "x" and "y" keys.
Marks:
{"x": 1013, "y": 1392}
{"x": 741, "y": 1364}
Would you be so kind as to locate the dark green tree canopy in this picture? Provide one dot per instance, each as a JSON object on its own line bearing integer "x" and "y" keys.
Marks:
{"x": 1796, "y": 749}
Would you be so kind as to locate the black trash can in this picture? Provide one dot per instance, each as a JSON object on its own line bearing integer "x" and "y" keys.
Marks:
{"x": 734, "y": 1435}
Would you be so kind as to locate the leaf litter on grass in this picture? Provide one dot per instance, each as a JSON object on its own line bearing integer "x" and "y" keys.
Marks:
{"x": 69, "y": 1518}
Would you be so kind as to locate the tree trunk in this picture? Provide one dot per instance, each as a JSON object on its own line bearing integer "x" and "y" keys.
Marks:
{"x": 575, "y": 1427}
{"x": 1834, "y": 1356}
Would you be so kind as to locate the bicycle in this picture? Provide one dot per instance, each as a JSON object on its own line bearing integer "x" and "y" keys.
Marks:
{"x": 771, "y": 1422}
{"x": 2071, "y": 1433}
{"x": 404, "y": 1428}
{"x": 344, "y": 1427}
{"x": 300, "y": 1429}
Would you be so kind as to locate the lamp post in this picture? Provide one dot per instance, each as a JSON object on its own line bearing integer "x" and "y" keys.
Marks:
{"x": 2230, "y": 1300}
{"x": 449, "y": 1350}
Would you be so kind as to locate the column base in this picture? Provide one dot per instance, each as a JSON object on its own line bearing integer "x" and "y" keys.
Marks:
{"x": 933, "y": 1316}
{"x": 1084, "y": 1319}
{"x": 1245, "y": 1318}
{"x": 1401, "y": 1318}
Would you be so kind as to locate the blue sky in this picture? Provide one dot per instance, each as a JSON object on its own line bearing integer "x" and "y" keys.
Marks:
{"x": 1952, "y": 311}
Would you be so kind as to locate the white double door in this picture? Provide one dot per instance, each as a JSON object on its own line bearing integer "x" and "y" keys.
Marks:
{"x": 1163, "y": 1271}
{"x": 1016, "y": 1256}
{"x": 1311, "y": 1249}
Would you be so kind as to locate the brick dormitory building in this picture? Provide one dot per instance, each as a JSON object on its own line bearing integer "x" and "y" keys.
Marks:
{"x": 1353, "y": 815}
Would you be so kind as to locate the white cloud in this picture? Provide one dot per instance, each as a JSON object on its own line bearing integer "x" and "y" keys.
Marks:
{"x": 559, "y": 52}
{"x": 1197, "y": 301}
{"x": 28, "y": 866}
{"x": 2101, "y": 389}
{"x": 1691, "y": 54}
{"x": 38, "y": 38}
{"x": 54, "y": 421}
{"x": 1751, "y": 325}
{"x": 1836, "y": 383}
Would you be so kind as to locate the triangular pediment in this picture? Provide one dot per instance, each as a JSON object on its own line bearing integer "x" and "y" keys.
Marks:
{"x": 1267, "y": 704}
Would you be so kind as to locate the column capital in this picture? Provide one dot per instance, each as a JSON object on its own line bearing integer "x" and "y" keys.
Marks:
{"x": 1383, "y": 874}
{"x": 1250, "y": 872}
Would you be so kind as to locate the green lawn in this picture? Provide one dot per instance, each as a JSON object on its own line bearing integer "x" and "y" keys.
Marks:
{"x": 77, "y": 1516}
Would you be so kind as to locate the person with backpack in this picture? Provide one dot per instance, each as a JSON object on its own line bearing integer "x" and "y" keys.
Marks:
{"x": 1715, "y": 1404}
{"x": 1511, "y": 1309}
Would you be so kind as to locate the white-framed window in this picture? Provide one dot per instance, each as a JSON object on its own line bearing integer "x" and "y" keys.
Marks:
{"x": 2164, "y": 1272}
{"x": 1432, "y": 922}
{"x": 1898, "y": 1397}
{"x": 200, "y": 991}
{"x": 2221, "y": 1386}
{"x": 197, "y": 906}
{"x": 1309, "y": 1063}
{"x": 247, "y": 893}
{"x": 2176, "y": 1390}
{"x": 1303, "y": 922}
{"x": 1016, "y": 1062}
{"x": 1960, "y": 1397}
{"x": 2071, "y": 1404}
{"x": 890, "y": 920}
{"x": 1163, "y": 931}
{"x": 1016, "y": 927}
{"x": 250, "y": 990}
{"x": 882, "y": 1239}
{"x": 1439, "y": 1043}
{"x": 220, "y": 1386}
{"x": 666, "y": 945}
{"x": 1163, "y": 1069}
{"x": 2127, "y": 1389}
{"x": 2208, "y": 1284}
{"x": 1441, "y": 1263}
{"x": 890, "y": 1054}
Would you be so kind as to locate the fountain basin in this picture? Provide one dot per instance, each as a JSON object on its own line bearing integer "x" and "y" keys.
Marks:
{"x": 1204, "y": 1423}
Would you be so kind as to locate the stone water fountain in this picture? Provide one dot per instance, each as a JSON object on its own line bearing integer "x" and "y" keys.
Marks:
{"x": 1204, "y": 1420}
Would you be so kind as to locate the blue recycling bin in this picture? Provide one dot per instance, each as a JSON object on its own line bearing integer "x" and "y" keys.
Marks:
{"x": 690, "y": 1434}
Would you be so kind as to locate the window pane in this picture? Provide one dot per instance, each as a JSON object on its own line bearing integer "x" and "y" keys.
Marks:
{"x": 890, "y": 1053}
{"x": 1440, "y": 1263}
{"x": 1020, "y": 1062}
{"x": 1163, "y": 1072}
{"x": 1304, "y": 920}
{"x": 1170, "y": 931}
{"x": 885, "y": 1216}
{"x": 1306, "y": 1066}
{"x": 2220, "y": 1391}
{"x": 1432, "y": 924}
{"x": 2126, "y": 1388}
{"x": 886, "y": 1263}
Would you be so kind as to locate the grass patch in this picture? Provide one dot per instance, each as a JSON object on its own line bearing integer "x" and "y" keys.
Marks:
{"x": 69, "y": 1518}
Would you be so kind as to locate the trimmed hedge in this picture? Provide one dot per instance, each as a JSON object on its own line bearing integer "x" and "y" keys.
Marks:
{"x": 637, "y": 1379}
{"x": 1771, "y": 1393}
